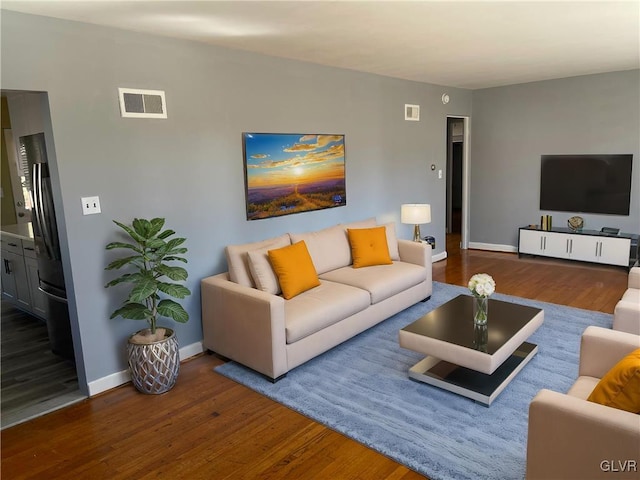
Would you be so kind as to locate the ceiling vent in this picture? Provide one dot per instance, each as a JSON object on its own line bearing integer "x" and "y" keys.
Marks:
{"x": 135, "y": 103}
{"x": 412, "y": 112}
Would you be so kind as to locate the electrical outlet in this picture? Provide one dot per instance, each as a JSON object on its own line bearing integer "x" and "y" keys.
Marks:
{"x": 90, "y": 205}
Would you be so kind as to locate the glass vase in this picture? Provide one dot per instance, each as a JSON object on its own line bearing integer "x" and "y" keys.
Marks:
{"x": 480, "y": 310}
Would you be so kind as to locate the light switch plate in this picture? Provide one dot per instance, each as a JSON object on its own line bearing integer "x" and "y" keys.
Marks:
{"x": 90, "y": 205}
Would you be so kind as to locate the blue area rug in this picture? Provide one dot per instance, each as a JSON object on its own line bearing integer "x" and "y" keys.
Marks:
{"x": 361, "y": 389}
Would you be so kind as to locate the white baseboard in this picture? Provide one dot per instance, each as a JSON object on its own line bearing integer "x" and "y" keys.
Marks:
{"x": 493, "y": 247}
{"x": 120, "y": 378}
{"x": 438, "y": 257}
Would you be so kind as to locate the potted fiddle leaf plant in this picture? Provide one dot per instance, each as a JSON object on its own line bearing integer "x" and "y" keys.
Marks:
{"x": 154, "y": 279}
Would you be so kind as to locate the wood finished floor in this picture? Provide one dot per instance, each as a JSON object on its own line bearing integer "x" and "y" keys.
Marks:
{"x": 34, "y": 379}
{"x": 212, "y": 428}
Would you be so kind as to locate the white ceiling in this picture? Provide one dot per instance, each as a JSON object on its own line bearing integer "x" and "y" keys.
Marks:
{"x": 467, "y": 44}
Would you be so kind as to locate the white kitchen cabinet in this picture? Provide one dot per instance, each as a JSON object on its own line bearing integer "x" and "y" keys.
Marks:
{"x": 15, "y": 286}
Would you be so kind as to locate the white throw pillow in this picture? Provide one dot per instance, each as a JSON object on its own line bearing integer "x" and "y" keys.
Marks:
{"x": 261, "y": 271}
{"x": 392, "y": 241}
{"x": 237, "y": 259}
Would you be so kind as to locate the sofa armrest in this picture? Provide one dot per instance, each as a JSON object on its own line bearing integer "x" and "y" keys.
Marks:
{"x": 634, "y": 278}
{"x": 626, "y": 317}
{"x": 601, "y": 348}
{"x": 415, "y": 252}
{"x": 244, "y": 324}
{"x": 570, "y": 437}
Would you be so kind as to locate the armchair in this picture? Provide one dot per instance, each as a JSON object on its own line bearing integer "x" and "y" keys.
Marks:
{"x": 626, "y": 316}
{"x": 570, "y": 437}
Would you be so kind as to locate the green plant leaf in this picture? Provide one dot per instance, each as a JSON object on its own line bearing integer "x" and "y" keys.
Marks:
{"x": 121, "y": 262}
{"x": 133, "y": 311}
{"x": 142, "y": 227}
{"x": 144, "y": 288}
{"x": 180, "y": 259}
{"x": 155, "y": 243}
{"x": 130, "y": 231}
{"x": 130, "y": 246}
{"x": 172, "y": 244}
{"x": 127, "y": 277}
{"x": 171, "y": 309}
{"x": 173, "y": 289}
{"x": 172, "y": 258}
{"x": 166, "y": 233}
{"x": 156, "y": 225}
{"x": 176, "y": 251}
{"x": 174, "y": 273}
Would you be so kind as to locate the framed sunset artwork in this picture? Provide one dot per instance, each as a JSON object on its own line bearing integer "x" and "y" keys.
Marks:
{"x": 289, "y": 173}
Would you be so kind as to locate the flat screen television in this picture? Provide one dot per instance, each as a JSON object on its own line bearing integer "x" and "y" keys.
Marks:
{"x": 586, "y": 183}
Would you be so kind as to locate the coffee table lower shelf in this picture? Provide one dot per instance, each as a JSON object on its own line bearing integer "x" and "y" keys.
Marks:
{"x": 469, "y": 383}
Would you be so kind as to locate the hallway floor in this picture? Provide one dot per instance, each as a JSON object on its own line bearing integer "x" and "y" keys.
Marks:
{"x": 34, "y": 380}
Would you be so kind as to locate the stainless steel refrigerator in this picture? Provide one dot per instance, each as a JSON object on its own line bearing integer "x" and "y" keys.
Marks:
{"x": 47, "y": 245}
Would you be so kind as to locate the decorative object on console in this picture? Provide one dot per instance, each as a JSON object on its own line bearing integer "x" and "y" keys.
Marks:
{"x": 415, "y": 214}
{"x": 153, "y": 352}
{"x": 576, "y": 223}
{"x": 481, "y": 286}
{"x": 292, "y": 173}
{"x": 546, "y": 222}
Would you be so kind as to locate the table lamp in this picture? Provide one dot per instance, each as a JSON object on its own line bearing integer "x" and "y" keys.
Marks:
{"x": 415, "y": 214}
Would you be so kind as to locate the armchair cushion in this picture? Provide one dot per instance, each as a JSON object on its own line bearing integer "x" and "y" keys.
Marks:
{"x": 620, "y": 387}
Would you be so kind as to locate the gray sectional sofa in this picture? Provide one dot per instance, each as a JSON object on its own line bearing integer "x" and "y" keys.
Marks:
{"x": 246, "y": 320}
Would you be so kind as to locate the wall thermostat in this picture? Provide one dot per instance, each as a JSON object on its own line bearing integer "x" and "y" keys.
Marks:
{"x": 445, "y": 98}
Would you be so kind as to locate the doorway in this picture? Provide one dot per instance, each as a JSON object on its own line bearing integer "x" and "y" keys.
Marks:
{"x": 35, "y": 380}
{"x": 457, "y": 185}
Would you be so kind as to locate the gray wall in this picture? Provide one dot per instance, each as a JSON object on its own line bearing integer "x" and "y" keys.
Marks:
{"x": 188, "y": 168}
{"x": 514, "y": 125}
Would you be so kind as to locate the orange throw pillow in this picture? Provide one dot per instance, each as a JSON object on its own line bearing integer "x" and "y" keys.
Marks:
{"x": 294, "y": 268}
{"x": 620, "y": 387}
{"x": 369, "y": 246}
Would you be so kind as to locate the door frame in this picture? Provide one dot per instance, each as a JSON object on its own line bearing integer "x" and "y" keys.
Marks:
{"x": 466, "y": 160}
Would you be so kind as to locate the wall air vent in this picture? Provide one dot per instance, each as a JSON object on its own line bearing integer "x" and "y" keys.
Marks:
{"x": 412, "y": 112}
{"x": 135, "y": 103}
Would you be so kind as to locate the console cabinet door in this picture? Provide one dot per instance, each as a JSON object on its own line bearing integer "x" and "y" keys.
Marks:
{"x": 614, "y": 251}
{"x": 550, "y": 244}
{"x": 556, "y": 245}
{"x": 583, "y": 248}
{"x": 531, "y": 242}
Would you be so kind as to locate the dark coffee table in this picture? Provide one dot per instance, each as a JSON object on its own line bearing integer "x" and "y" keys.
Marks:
{"x": 477, "y": 362}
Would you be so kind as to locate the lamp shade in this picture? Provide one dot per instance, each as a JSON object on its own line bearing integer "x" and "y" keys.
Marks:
{"x": 415, "y": 213}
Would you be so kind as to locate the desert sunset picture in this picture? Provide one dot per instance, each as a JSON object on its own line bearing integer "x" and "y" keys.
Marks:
{"x": 292, "y": 173}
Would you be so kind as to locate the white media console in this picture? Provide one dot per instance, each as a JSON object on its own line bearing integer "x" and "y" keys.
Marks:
{"x": 586, "y": 245}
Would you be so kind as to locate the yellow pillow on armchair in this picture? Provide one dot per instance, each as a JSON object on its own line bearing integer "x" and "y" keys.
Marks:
{"x": 294, "y": 268}
{"x": 620, "y": 387}
{"x": 369, "y": 246}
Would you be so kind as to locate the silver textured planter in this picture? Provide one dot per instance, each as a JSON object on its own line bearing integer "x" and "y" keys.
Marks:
{"x": 154, "y": 366}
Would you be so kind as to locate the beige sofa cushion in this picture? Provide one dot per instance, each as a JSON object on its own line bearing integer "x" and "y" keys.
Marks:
{"x": 320, "y": 307}
{"x": 381, "y": 281}
{"x": 238, "y": 260}
{"x": 329, "y": 248}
